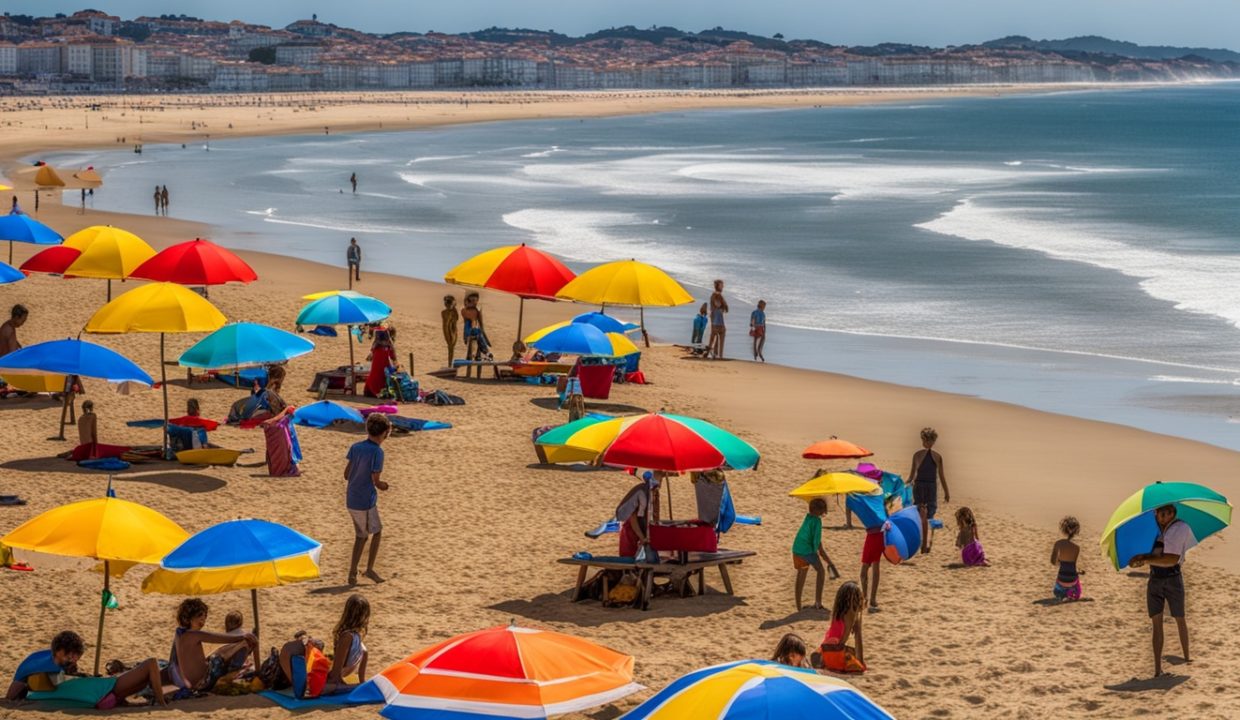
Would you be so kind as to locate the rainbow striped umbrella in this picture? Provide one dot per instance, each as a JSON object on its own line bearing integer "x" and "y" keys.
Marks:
{"x": 1133, "y": 529}
{"x": 503, "y": 672}
{"x": 658, "y": 441}
{"x": 757, "y": 690}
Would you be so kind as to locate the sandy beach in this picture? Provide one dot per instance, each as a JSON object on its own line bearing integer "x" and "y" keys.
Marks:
{"x": 473, "y": 527}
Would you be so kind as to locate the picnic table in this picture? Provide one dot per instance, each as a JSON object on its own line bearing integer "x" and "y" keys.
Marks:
{"x": 687, "y": 565}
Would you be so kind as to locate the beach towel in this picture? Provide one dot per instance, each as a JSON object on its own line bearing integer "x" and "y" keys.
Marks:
{"x": 77, "y": 692}
{"x": 148, "y": 424}
{"x": 109, "y": 464}
{"x": 415, "y": 425}
{"x": 324, "y": 331}
{"x": 439, "y": 397}
{"x": 191, "y": 421}
{"x": 283, "y": 451}
{"x": 95, "y": 451}
{"x": 244, "y": 378}
{"x": 385, "y": 409}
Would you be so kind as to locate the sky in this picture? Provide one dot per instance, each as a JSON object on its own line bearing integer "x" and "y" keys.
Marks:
{"x": 1196, "y": 23}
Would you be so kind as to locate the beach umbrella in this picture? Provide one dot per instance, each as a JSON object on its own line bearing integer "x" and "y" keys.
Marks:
{"x": 69, "y": 358}
{"x": 244, "y": 344}
{"x": 88, "y": 178}
{"x": 47, "y": 177}
{"x": 20, "y": 227}
{"x": 196, "y": 262}
{"x": 581, "y": 339}
{"x": 1133, "y": 529}
{"x": 52, "y": 261}
{"x": 325, "y": 412}
{"x": 236, "y": 555}
{"x": 516, "y": 269}
{"x": 836, "y": 483}
{"x": 758, "y": 690}
{"x": 157, "y": 307}
{"x": 108, "y": 253}
{"x": 118, "y": 532}
{"x": 834, "y": 448}
{"x": 626, "y": 282}
{"x": 503, "y": 672}
{"x": 344, "y": 308}
{"x": 10, "y": 274}
{"x": 674, "y": 443}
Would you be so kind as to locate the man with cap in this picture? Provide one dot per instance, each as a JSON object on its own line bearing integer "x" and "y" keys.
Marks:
{"x": 635, "y": 511}
{"x": 1166, "y": 585}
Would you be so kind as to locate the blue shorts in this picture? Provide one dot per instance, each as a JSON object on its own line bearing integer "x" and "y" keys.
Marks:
{"x": 802, "y": 562}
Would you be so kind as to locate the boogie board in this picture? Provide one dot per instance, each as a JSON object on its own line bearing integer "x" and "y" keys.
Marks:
{"x": 208, "y": 456}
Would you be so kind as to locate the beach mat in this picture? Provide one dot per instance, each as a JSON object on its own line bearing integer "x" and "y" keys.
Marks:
{"x": 286, "y": 700}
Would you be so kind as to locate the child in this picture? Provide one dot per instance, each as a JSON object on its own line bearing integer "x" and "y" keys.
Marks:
{"x": 189, "y": 667}
{"x": 791, "y": 651}
{"x": 837, "y": 655}
{"x": 88, "y": 427}
{"x": 362, "y": 473}
{"x": 304, "y": 666}
{"x": 1065, "y": 553}
{"x": 757, "y": 330}
{"x": 41, "y": 672}
{"x": 232, "y": 626}
{"x": 700, "y": 321}
{"x": 806, "y": 550}
{"x": 968, "y": 540}
{"x": 193, "y": 408}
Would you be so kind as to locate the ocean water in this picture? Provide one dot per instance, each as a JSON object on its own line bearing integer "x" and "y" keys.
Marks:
{"x": 1075, "y": 252}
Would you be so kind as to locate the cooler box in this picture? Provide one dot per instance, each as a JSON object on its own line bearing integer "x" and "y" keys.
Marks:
{"x": 595, "y": 381}
{"x": 684, "y": 538}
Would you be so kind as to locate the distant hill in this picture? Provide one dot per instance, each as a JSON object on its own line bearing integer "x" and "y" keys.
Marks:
{"x": 1099, "y": 45}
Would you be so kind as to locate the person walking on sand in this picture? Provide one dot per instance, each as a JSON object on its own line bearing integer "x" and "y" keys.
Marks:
{"x": 159, "y": 201}
{"x": 363, "y": 474}
{"x": 718, "y": 309}
{"x": 163, "y": 198}
{"x": 807, "y": 548}
{"x": 353, "y": 182}
{"x": 1166, "y": 585}
{"x": 450, "y": 317}
{"x": 757, "y": 330}
{"x": 354, "y": 257}
{"x": 927, "y": 468}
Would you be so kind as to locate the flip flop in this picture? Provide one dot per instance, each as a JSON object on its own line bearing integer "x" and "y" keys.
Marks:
{"x": 20, "y": 567}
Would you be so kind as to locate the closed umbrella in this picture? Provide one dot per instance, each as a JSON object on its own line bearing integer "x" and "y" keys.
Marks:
{"x": 118, "y": 532}
{"x": 344, "y": 308}
{"x": 1133, "y": 528}
{"x": 108, "y": 253}
{"x": 502, "y": 672}
{"x": 626, "y": 282}
{"x": 236, "y": 555}
{"x": 20, "y": 227}
{"x": 757, "y": 690}
{"x": 73, "y": 358}
{"x": 516, "y": 269}
{"x": 196, "y": 262}
{"x": 162, "y": 308}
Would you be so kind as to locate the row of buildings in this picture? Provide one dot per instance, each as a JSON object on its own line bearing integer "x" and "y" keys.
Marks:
{"x": 90, "y": 50}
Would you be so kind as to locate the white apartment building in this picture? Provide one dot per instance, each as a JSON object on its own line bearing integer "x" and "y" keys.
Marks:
{"x": 298, "y": 55}
{"x": 8, "y": 59}
{"x": 196, "y": 67}
{"x": 77, "y": 59}
{"x": 111, "y": 62}
{"x": 422, "y": 74}
{"x": 38, "y": 58}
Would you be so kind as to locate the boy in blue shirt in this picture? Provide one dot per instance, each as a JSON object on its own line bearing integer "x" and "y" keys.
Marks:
{"x": 362, "y": 473}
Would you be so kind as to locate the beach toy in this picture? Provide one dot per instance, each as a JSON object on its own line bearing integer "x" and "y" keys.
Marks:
{"x": 118, "y": 532}
{"x": 870, "y": 509}
{"x": 902, "y": 535}
{"x": 208, "y": 456}
{"x": 325, "y": 412}
{"x": 517, "y": 269}
{"x": 834, "y": 448}
{"x": 244, "y": 344}
{"x": 757, "y": 690}
{"x": 20, "y": 227}
{"x": 157, "y": 307}
{"x": 502, "y": 672}
{"x": 197, "y": 262}
{"x": 236, "y": 555}
{"x": 1133, "y": 528}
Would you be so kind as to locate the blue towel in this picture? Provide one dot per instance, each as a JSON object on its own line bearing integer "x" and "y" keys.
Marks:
{"x": 288, "y": 702}
{"x": 155, "y": 423}
{"x": 414, "y": 424}
{"x": 109, "y": 464}
{"x": 324, "y": 330}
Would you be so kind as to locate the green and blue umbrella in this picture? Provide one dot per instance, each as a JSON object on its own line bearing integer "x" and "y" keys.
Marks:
{"x": 757, "y": 690}
{"x": 245, "y": 344}
{"x": 1132, "y": 529}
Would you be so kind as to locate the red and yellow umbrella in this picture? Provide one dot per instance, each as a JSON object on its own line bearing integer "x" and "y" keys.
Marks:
{"x": 517, "y": 269}
{"x": 510, "y": 672}
{"x": 834, "y": 448}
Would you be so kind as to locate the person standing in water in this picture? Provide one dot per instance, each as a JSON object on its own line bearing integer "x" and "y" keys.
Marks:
{"x": 163, "y": 197}
{"x": 757, "y": 330}
{"x": 159, "y": 201}
{"x": 927, "y": 469}
{"x": 353, "y": 182}
{"x": 718, "y": 309}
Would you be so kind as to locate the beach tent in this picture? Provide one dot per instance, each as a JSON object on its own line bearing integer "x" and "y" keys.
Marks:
{"x": 325, "y": 412}
{"x": 516, "y": 269}
{"x": 118, "y": 532}
{"x": 236, "y": 555}
{"x": 107, "y": 253}
{"x": 626, "y": 282}
{"x": 157, "y": 307}
{"x": 1133, "y": 528}
{"x": 197, "y": 262}
{"x": 502, "y": 672}
{"x": 20, "y": 227}
{"x": 344, "y": 308}
{"x": 757, "y": 690}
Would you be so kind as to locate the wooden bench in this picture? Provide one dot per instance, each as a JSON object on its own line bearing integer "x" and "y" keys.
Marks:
{"x": 689, "y": 564}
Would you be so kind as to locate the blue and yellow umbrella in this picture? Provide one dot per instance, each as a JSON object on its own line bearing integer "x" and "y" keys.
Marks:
{"x": 1133, "y": 529}
{"x": 757, "y": 690}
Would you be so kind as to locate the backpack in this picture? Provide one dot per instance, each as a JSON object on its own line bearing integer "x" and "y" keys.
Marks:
{"x": 269, "y": 672}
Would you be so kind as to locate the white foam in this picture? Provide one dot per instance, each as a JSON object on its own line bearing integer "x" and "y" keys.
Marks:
{"x": 436, "y": 158}
{"x": 1208, "y": 284}
{"x": 543, "y": 153}
{"x": 432, "y": 180}
{"x": 1014, "y": 163}
{"x": 1193, "y": 380}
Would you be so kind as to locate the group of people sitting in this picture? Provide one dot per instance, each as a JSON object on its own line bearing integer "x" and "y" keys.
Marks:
{"x": 304, "y": 664}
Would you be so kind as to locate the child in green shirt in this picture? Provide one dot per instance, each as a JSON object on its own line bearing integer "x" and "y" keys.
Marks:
{"x": 806, "y": 550}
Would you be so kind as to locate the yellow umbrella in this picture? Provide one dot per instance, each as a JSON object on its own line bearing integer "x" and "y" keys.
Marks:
{"x": 108, "y": 253}
{"x": 5, "y": 187}
{"x": 162, "y": 308}
{"x": 837, "y": 483}
{"x": 107, "y": 529}
{"x": 626, "y": 282}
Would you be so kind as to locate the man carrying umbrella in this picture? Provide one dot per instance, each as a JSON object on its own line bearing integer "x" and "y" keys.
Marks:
{"x": 1166, "y": 584}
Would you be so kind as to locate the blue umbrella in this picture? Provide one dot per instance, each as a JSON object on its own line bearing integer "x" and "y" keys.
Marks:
{"x": 20, "y": 227}
{"x": 342, "y": 309}
{"x": 324, "y": 413}
{"x": 870, "y": 510}
{"x": 244, "y": 344}
{"x": 575, "y": 339}
{"x": 10, "y": 274}
{"x": 606, "y": 323}
{"x": 73, "y": 357}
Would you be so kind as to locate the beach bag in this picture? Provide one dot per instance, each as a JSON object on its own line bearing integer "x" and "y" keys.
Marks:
{"x": 646, "y": 554}
{"x": 269, "y": 672}
{"x": 439, "y": 397}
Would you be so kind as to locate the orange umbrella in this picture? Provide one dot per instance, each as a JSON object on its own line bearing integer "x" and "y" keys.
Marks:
{"x": 834, "y": 448}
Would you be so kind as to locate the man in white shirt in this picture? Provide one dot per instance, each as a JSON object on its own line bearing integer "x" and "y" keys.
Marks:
{"x": 1166, "y": 585}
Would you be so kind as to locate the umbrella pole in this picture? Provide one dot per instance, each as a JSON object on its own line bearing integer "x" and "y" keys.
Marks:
{"x": 110, "y": 292}
{"x": 163, "y": 385}
{"x": 645, "y": 336}
{"x": 348, "y": 333}
{"x": 667, "y": 483}
{"x": 520, "y": 311}
{"x": 103, "y": 608}
{"x": 68, "y": 403}
{"x": 254, "y": 601}
{"x": 10, "y": 252}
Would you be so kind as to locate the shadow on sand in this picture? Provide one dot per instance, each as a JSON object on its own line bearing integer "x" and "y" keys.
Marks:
{"x": 552, "y": 403}
{"x": 802, "y": 615}
{"x": 591, "y": 613}
{"x": 1165, "y": 681}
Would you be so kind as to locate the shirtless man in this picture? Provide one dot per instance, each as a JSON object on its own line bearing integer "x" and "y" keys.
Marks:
{"x": 8, "y": 331}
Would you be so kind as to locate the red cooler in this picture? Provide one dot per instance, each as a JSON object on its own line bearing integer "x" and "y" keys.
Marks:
{"x": 595, "y": 380}
{"x": 684, "y": 538}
